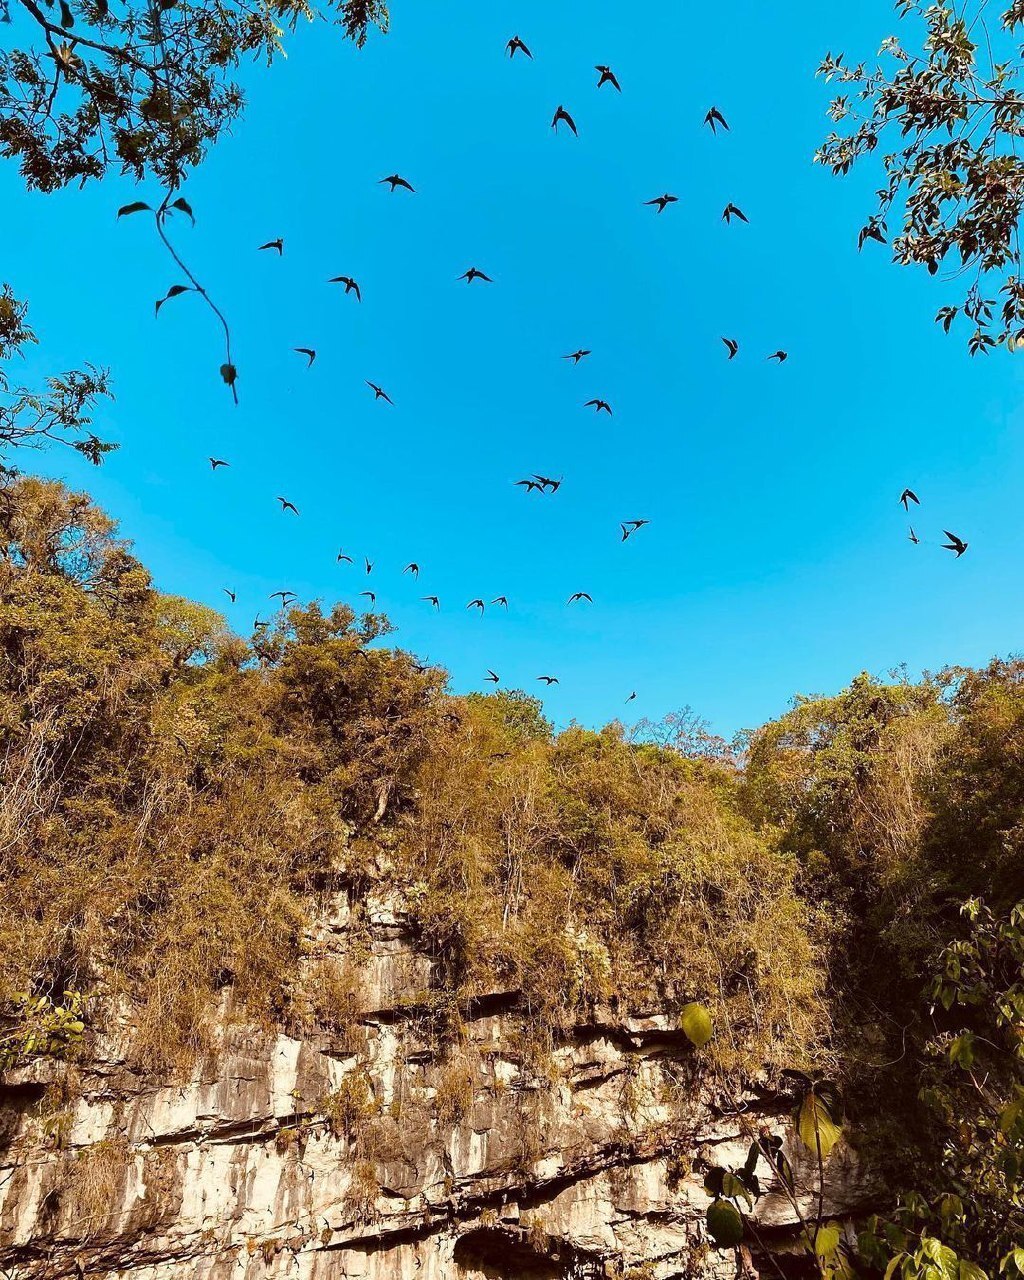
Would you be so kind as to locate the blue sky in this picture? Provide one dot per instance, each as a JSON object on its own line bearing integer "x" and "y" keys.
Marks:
{"x": 776, "y": 560}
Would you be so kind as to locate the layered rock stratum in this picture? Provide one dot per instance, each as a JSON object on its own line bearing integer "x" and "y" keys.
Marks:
{"x": 393, "y": 1148}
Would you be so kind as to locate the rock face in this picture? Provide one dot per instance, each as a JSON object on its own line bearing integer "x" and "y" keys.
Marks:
{"x": 382, "y": 1151}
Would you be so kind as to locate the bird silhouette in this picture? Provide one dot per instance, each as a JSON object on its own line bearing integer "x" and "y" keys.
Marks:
{"x": 259, "y": 624}
{"x": 713, "y": 118}
{"x": 546, "y": 482}
{"x": 954, "y": 544}
{"x": 342, "y": 556}
{"x": 474, "y": 274}
{"x": 907, "y": 497}
{"x": 530, "y": 485}
{"x": 491, "y": 676}
{"x": 288, "y": 506}
{"x": 515, "y": 45}
{"x": 308, "y": 352}
{"x": 502, "y": 600}
{"x": 378, "y": 392}
{"x": 576, "y": 356}
{"x": 663, "y": 201}
{"x": 629, "y": 527}
{"x": 476, "y": 604}
{"x": 396, "y": 181}
{"x": 231, "y": 595}
{"x": 432, "y": 600}
{"x": 218, "y": 462}
{"x": 412, "y": 568}
{"x": 283, "y": 596}
{"x": 350, "y": 286}
{"x": 598, "y": 406}
{"x": 369, "y": 565}
{"x": 734, "y": 211}
{"x": 371, "y": 594}
{"x": 549, "y": 680}
{"x": 580, "y": 595}
{"x": 631, "y": 696}
{"x": 733, "y": 346}
{"x": 562, "y": 114}
{"x": 277, "y": 244}
{"x": 607, "y": 76}
{"x": 913, "y": 536}
{"x": 780, "y": 355}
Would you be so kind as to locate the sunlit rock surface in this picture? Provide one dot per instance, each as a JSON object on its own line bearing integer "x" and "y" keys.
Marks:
{"x": 386, "y": 1152}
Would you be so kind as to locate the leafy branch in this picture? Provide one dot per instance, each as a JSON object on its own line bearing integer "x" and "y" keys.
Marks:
{"x": 60, "y": 414}
{"x": 953, "y": 175}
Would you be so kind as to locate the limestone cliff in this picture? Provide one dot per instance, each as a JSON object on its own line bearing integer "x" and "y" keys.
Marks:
{"x": 383, "y": 1150}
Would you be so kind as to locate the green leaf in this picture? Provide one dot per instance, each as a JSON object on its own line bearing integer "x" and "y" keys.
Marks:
{"x": 183, "y": 205}
{"x": 815, "y": 1125}
{"x": 971, "y": 1271}
{"x": 175, "y": 291}
{"x": 827, "y": 1240}
{"x": 961, "y": 1050}
{"x": 138, "y": 207}
{"x": 894, "y": 1262}
{"x": 944, "y": 1258}
{"x": 696, "y": 1024}
{"x": 725, "y": 1223}
{"x": 733, "y": 1189}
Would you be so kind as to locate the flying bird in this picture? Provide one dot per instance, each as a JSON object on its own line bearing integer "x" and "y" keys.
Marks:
{"x": 371, "y": 594}
{"x": 288, "y": 506}
{"x": 515, "y": 45}
{"x": 714, "y": 117}
{"x": 576, "y": 356}
{"x": 908, "y": 496}
{"x": 231, "y": 595}
{"x": 580, "y": 595}
{"x": 342, "y": 556}
{"x": 476, "y": 604}
{"x": 351, "y": 285}
{"x": 631, "y": 696}
{"x": 432, "y": 600}
{"x": 663, "y": 201}
{"x": 954, "y": 544}
{"x": 378, "y": 392}
{"x": 549, "y": 680}
{"x": 530, "y": 485}
{"x": 283, "y": 596}
{"x": 308, "y": 352}
{"x": 734, "y": 211}
{"x": 474, "y": 274}
{"x": 598, "y": 405}
{"x": 369, "y": 565}
{"x": 562, "y": 114}
{"x": 218, "y": 462}
{"x": 277, "y": 244}
{"x": 502, "y": 600}
{"x": 607, "y": 77}
{"x": 259, "y": 624}
{"x": 547, "y": 483}
{"x": 733, "y": 346}
{"x": 412, "y": 568}
{"x": 629, "y": 527}
{"x": 780, "y": 355}
{"x": 491, "y": 676}
{"x": 913, "y": 536}
{"x": 396, "y": 181}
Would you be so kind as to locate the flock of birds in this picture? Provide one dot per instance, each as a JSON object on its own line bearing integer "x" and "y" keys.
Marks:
{"x": 534, "y": 483}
